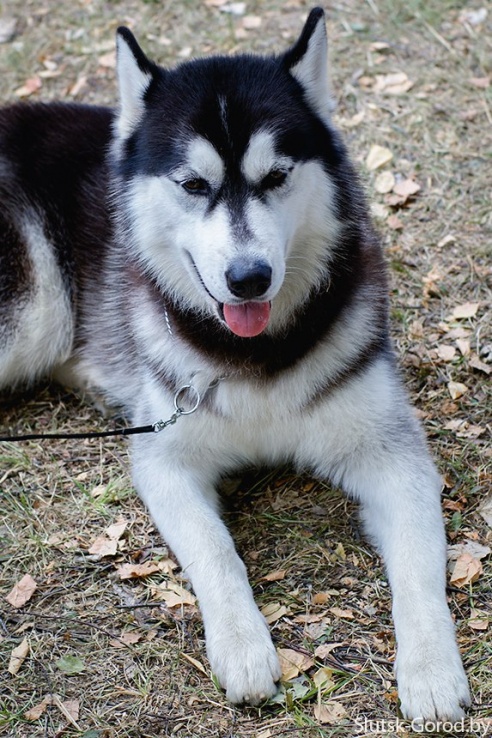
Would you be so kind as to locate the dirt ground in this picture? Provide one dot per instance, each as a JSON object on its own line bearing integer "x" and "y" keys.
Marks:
{"x": 104, "y": 656}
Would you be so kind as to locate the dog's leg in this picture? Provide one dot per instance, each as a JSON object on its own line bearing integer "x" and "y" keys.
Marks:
{"x": 379, "y": 456}
{"x": 183, "y": 504}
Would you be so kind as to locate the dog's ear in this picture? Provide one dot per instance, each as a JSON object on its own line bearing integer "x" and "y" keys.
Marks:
{"x": 307, "y": 61}
{"x": 135, "y": 73}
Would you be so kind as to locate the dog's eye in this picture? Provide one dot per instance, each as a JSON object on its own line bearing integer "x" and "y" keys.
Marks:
{"x": 196, "y": 186}
{"x": 274, "y": 178}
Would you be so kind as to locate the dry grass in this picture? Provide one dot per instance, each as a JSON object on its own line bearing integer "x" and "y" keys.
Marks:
{"x": 440, "y": 133}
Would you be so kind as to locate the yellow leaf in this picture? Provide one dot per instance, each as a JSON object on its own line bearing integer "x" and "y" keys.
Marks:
{"x": 377, "y": 157}
{"x": 457, "y": 389}
{"x": 292, "y": 663}
{"x": 385, "y": 181}
{"x": 323, "y": 679}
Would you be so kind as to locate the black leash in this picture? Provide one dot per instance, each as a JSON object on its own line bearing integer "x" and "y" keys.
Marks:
{"x": 153, "y": 428}
{"x": 92, "y": 434}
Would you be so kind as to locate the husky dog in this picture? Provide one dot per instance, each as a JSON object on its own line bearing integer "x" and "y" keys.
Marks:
{"x": 212, "y": 235}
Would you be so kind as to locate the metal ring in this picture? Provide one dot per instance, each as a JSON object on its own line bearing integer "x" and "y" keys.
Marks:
{"x": 182, "y": 390}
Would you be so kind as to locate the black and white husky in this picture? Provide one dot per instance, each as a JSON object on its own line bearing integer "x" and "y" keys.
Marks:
{"x": 212, "y": 233}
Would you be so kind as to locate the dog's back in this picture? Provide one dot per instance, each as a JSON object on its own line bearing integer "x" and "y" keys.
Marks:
{"x": 53, "y": 229}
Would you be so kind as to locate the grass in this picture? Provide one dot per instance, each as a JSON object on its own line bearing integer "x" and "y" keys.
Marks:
{"x": 57, "y": 499}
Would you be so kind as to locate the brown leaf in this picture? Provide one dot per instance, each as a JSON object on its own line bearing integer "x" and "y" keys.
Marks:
{"x": 30, "y": 86}
{"x": 292, "y": 663}
{"x": 394, "y": 223}
{"x": 174, "y": 595}
{"x": 481, "y": 366}
{"x": 194, "y": 662}
{"x": 274, "y": 576}
{"x": 329, "y": 712}
{"x": 406, "y": 188}
{"x": 446, "y": 352}
{"x": 273, "y": 612}
{"x": 339, "y": 613}
{"x": 37, "y": 710}
{"x": 18, "y": 656}
{"x": 22, "y": 592}
{"x": 478, "y": 620}
{"x": 466, "y": 570}
{"x": 104, "y": 546}
{"x": 467, "y": 310}
{"x": 117, "y": 529}
{"x": 138, "y": 571}
{"x": 321, "y": 652}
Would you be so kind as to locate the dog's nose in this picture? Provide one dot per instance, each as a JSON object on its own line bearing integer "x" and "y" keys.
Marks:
{"x": 249, "y": 279}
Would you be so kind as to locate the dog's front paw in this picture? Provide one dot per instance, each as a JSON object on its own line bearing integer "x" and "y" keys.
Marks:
{"x": 432, "y": 684}
{"x": 245, "y": 662}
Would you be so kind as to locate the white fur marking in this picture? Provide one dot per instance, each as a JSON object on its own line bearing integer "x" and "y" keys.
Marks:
{"x": 44, "y": 330}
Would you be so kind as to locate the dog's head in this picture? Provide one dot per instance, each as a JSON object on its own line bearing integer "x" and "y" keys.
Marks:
{"x": 224, "y": 168}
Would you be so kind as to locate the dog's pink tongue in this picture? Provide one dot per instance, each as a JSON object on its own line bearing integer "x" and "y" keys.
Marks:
{"x": 249, "y": 319}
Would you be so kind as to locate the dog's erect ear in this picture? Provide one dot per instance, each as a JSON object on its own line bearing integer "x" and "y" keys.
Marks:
{"x": 135, "y": 73}
{"x": 307, "y": 61}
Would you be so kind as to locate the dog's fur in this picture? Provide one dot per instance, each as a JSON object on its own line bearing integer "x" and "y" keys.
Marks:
{"x": 140, "y": 251}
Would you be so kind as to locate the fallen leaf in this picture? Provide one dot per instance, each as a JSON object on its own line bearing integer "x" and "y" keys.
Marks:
{"x": 70, "y": 664}
{"x": 35, "y": 712}
{"x": 466, "y": 570}
{"x": 138, "y": 571}
{"x": 467, "y": 310}
{"x": 384, "y": 183}
{"x": 394, "y": 223}
{"x": 377, "y": 157}
{"x": 392, "y": 84}
{"x": 22, "y": 591}
{"x": 475, "y": 549}
{"x": 194, "y": 662}
{"x": 323, "y": 679}
{"x": 104, "y": 546}
{"x": 30, "y": 86}
{"x": 481, "y": 366}
{"x": 274, "y": 576}
{"x": 329, "y": 712}
{"x": 446, "y": 352}
{"x": 117, "y": 529}
{"x": 292, "y": 663}
{"x": 18, "y": 656}
{"x": 322, "y": 651}
{"x": 273, "y": 612}
{"x": 457, "y": 389}
{"x": 464, "y": 346}
{"x": 406, "y": 188}
{"x": 339, "y": 613}
{"x": 478, "y": 620}
{"x": 173, "y": 594}
{"x": 127, "y": 638}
